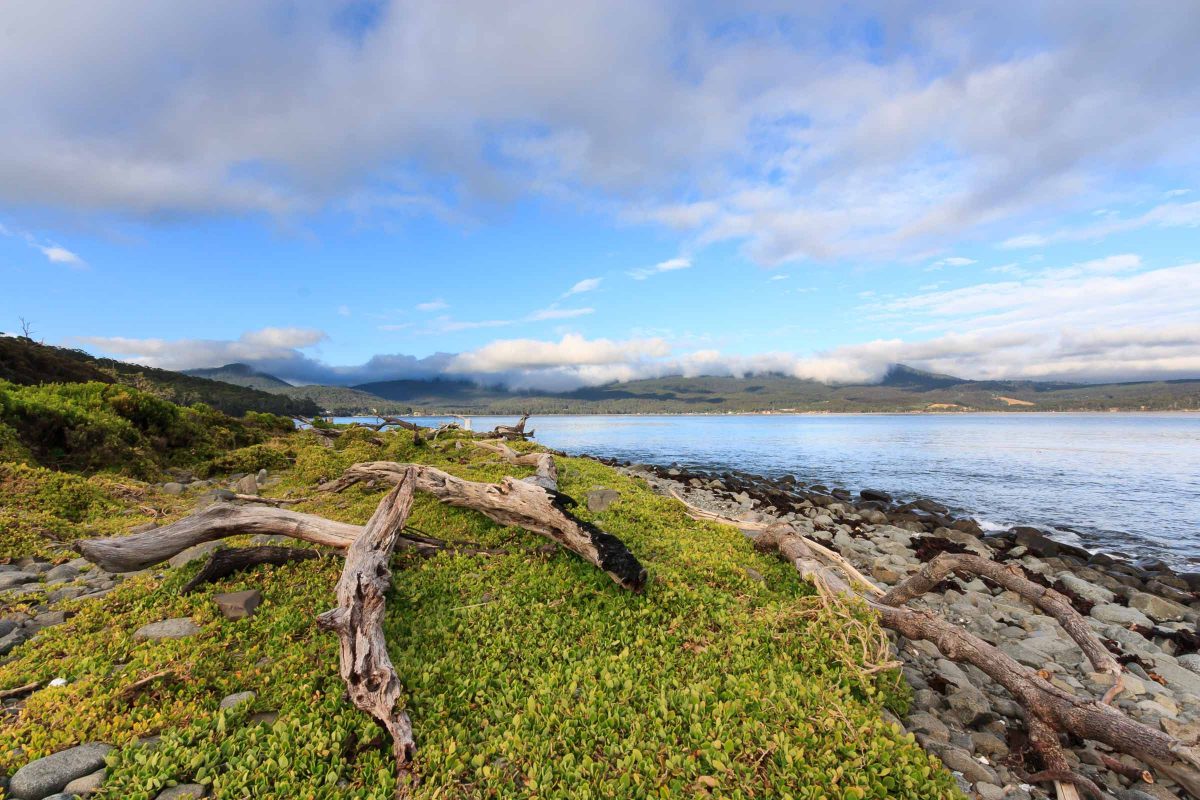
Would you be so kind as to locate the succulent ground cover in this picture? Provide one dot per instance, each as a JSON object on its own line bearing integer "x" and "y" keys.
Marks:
{"x": 526, "y": 675}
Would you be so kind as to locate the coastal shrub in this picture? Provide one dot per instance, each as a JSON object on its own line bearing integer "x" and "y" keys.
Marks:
{"x": 92, "y": 427}
{"x": 528, "y": 674}
{"x": 249, "y": 459}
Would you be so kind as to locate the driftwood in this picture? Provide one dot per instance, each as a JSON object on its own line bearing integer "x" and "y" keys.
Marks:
{"x": 226, "y": 561}
{"x": 546, "y": 473}
{"x": 358, "y": 619}
{"x": 1049, "y": 710}
{"x": 510, "y": 431}
{"x": 512, "y": 502}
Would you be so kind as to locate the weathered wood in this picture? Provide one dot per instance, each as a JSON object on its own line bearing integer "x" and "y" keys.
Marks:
{"x": 512, "y": 502}
{"x": 1010, "y": 577}
{"x": 1045, "y": 704}
{"x": 218, "y": 521}
{"x": 358, "y": 618}
{"x": 546, "y": 472}
{"x": 226, "y": 561}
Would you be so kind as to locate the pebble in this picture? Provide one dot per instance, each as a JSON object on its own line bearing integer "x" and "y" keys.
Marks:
{"x": 236, "y": 699}
{"x": 179, "y": 628}
{"x": 238, "y": 605}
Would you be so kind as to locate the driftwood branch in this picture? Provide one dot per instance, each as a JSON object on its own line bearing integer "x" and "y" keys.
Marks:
{"x": 1047, "y": 707}
{"x": 358, "y": 618}
{"x": 512, "y": 502}
{"x": 1011, "y": 578}
{"x": 225, "y": 562}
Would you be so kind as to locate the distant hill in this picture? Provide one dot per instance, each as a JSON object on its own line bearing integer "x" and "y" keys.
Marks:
{"x": 26, "y": 362}
{"x": 240, "y": 375}
{"x": 902, "y": 389}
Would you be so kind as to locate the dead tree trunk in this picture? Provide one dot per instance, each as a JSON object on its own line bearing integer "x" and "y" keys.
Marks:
{"x": 223, "y": 562}
{"x": 358, "y": 619}
{"x": 1047, "y": 706}
{"x": 512, "y": 502}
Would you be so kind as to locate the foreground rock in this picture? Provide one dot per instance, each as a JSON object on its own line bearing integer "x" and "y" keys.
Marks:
{"x": 51, "y": 774}
{"x": 179, "y": 628}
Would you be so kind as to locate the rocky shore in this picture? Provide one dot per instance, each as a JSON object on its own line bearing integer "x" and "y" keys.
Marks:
{"x": 1146, "y": 614}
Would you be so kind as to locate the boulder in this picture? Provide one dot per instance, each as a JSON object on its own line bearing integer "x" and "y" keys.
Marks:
{"x": 261, "y": 477}
{"x": 10, "y": 579}
{"x": 51, "y": 774}
{"x": 1157, "y": 608}
{"x": 875, "y": 494}
{"x": 238, "y": 605}
{"x": 172, "y": 488}
{"x": 235, "y": 699}
{"x": 63, "y": 572}
{"x": 599, "y": 500}
{"x": 1190, "y": 661}
{"x": 179, "y": 628}
{"x": 183, "y": 791}
{"x": 1120, "y": 615}
{"x": 247, "y": 485}
{"x": 87, "y": 784}
{"x": 1088, "y": 591}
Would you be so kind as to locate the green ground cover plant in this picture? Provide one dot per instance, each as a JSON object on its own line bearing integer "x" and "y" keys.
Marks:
{"x": 527, "y": 675}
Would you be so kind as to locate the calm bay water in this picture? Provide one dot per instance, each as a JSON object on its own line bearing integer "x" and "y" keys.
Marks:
{"x": 1126, "y": 483}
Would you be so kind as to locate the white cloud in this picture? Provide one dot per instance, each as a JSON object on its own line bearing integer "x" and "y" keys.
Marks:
{"x": 952, "y": 261}
{"x": 558, "y": 313}
{"x": 779, "y": 277}
{"x": 265, "y": 344}
{"x": 60, "y": 255}
{"x": 585, "y": 285}
{"x": 433, "y": 305}
{"x": 343, "y": 310}
{"x": 670, "y": 265}
{"x": 1168, "y": 215}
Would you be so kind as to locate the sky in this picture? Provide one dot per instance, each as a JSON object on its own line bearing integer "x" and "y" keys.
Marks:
{"x": 548, "y": 195}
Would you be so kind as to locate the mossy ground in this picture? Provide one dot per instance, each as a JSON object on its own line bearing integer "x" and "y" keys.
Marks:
{"x": 526, "y": 675}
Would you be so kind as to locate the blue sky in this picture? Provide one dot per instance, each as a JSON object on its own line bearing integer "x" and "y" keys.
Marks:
{"x": 550, "y": 196}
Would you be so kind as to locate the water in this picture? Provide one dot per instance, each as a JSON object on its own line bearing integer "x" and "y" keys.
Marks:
{"x": 1125, "y": 483}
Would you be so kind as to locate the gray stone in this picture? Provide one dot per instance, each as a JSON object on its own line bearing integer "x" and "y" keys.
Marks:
{"x": 172, "y": 488}
{"x": 238, "y": 605}
{"x": 754, "y": 574}
{"x": 1120, "y": 615}
{"x": 1157, "y": 608}
{"x": 192, "y": 553}
{"x": 929, "y": 725}
{"x": 10, "y": 579}
{"x": 51, "y": 774}
{"x": 261, "y": 477}
{"x": 1179, "y": 679}
{"x": 969, "y": 704}
{"x": 183, "y": 791}
{"x": 11, "y": 640}
{"x": 990, "y": 791}
{"x": 1190, "y": 661}
{"x": 87, "y": 784}
{"x": 247, "y": 485}
{"x": 236, "y": 700}
{"x": 962, "y": 762}
{"x": 599, "y": 500}
{"x": 1086, "y": 590}
{"x": 264, "y": 718}
{"x": 179, "y": 628}
{"x": 63, "y": 572}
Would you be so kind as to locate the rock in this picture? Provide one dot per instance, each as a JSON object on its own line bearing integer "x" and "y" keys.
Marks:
{"x": 179, "y": 628}
{"x": 63, "y": 572}
{"x": 172, "y": 488}
{"x": 754, "y": 574}
{"x": 1179, "y": 679}
{"x": 599, "y": 500}
{"x": 1190, "y": 661}
{"x": 183, "y": 791}
{"x": 51, "y": 774}
{"x": 990, "y": 745}
{"x": 264, "y": 718}
{"x": 247, "y": 485}
{"x": 238, "y": 605}
{"x": 969, "y": 704}
{"x": 874, "y": 517}
{"x": 1120, "y": 615}
{"x": 1037, "y": 542}
{"x": 192, "y": 553}
{"x": 990, "y": 791}
{"x": 1088, "y": 591}
{"x": 929, "y": 725}
{"x": 10, "y": 579}
{"x": 87, "y": 784}
{"x": 875, "y": 494}
{"x": 236, "y": 699}
{"x": 1157, "y": 608}
{"x": 962, "y": 762}
{"x": 261, "y": 477}
{"x": 11, "y": 640}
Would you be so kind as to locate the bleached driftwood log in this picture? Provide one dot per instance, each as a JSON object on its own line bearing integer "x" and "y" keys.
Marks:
{"x": 1050, "y": 711}
{"x": 509, "y": 502}
{"x": 512, "y": 502}
{"x": 364, "y": 664}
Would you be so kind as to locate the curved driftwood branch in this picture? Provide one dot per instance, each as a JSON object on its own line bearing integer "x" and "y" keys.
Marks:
{"x": 218, "y": 521}
{"x": 512, "y": 502}
{"x": 365, "y": 666}
{"x": 1045, "y": 704}
{"x": 1010, "y": 577}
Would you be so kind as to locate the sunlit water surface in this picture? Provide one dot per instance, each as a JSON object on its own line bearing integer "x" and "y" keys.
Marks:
{"x": 1126, "y": 483}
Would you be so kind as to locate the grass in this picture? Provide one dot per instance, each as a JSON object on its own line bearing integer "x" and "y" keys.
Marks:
{"x": 528, "y": 676}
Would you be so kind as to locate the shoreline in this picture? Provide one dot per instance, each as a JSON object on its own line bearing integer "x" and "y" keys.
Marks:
{"x": 1146, "y": 613}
